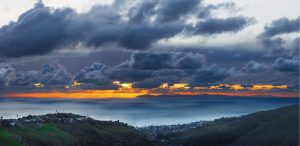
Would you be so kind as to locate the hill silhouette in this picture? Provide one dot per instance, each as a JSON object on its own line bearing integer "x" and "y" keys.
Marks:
{"x": 68, "y": 129}
{"x": 278, "y": 127}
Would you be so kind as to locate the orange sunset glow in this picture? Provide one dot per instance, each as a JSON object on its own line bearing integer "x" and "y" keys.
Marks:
{"x": 268, "y": 87}
{"x": 84, "y": 94}
{"x": 126, "y": 90}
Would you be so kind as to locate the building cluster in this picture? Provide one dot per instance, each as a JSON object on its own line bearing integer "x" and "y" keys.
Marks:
{"x": 55, "y": 118}
{"x": 155, "y": 131}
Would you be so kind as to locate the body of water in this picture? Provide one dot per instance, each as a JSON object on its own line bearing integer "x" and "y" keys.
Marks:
{"x": 146, "y": 110}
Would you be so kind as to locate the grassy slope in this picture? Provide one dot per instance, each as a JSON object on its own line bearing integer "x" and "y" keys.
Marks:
{"x": 7, "y": 138}
{"x": 105, "y": 133}
{"x": 46, "y": 134}
{"x": 77, "y": 133}
{"x": 277, "y": 127}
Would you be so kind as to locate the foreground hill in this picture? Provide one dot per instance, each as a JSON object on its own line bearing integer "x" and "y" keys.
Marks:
{"x": 68, "y": 129}
{"x": 279, "y": 127}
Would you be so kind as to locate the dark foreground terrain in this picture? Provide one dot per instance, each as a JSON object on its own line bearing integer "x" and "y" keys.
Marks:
{"x": 67, "y": 129}
{"x": 279, "y": 127}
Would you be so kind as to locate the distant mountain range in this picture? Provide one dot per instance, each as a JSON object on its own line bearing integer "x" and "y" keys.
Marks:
{"x": 279, "y": 127}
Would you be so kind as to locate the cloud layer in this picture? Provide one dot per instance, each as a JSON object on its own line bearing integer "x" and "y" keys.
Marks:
{"x": 144, "y": 70}
{"x": 275, "y": 44}
{"x": 136, "y": 31}
{"x": 138, "y": 26}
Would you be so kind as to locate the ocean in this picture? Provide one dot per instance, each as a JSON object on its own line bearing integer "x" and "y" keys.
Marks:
{"x": 145, "y": 111}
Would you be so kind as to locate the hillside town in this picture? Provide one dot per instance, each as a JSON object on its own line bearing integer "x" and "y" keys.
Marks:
{"x": 55, "y": 118}
{"x": 161, "y": 131}
{"x": 156, "y": 131}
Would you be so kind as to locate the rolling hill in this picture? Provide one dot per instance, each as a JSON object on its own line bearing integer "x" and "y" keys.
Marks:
{"x": 67, "y": 129}
{"x": 278, "y": 127}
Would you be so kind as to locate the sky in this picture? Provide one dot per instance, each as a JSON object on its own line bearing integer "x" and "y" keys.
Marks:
{"x": 131, "y": 48}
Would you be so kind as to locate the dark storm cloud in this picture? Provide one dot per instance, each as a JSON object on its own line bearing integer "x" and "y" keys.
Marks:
{"x": 128, "y": 74}
{"x": 58, "y": 75}
{"x": 254, "y": 67}
{"x": 149, "y": 65}
{"x": 158, "y": 77}
{"x": 149, "y": 83}
{"x": 142, "y": 37}
{"x": 281, "y": 26}
{"x": 189, "y": 61}
{"x": 161, "y": 76}
{"x": 41, "y": 29}
{"x": 295, "y": 47}
{"x": 48, "y": 75}
{"x": 93, "y": 74}
{"x": 165, "y": 11}
{"x": 151, "y": 69}
{"x": 37, "y": 31}
{"x": 141, "y": 13}
{"x": 170, "y": 10}
{"x": 211, "y": 74}
{"x": 155, "y": 61}
{"x": 150, "y": 61}
{"x": 155, "y": 82}
{"x": 289, "y": 65}
{"x": 275, "y": 44}
{"x": 26, "y": 78}
{"x": 216, "y": 25}
{"x": 7, "y": 73}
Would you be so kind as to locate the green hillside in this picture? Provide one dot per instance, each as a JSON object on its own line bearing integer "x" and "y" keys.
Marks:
{"x": 68, "y": 129}
{"x": 279, "y": 127}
